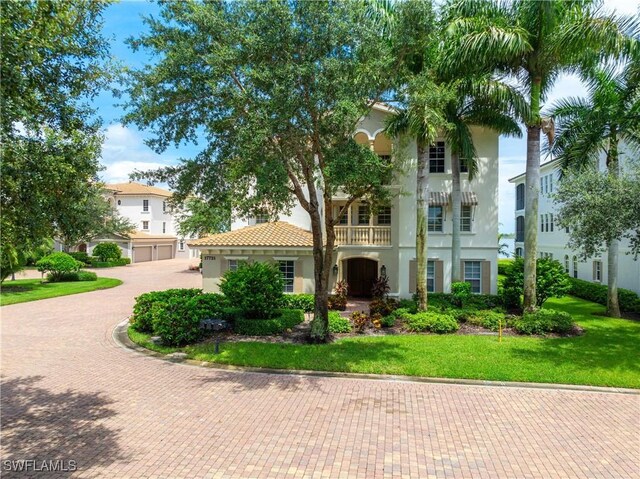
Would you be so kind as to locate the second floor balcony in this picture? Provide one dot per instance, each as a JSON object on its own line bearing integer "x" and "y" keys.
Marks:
{"x": 359, "y": 226}
{"x": 363, "y": 235}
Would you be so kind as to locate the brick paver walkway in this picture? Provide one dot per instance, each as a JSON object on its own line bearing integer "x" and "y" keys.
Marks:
{"x": 70, "y": 393}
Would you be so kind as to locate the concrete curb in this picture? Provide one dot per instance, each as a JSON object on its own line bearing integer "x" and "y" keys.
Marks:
{"x": 121, "y": 338}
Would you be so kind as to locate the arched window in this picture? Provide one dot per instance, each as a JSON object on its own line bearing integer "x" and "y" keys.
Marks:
{"x": 566, "y": 263}
{"x": 575, "y": 266}
{"x": 520, "y": 228}
{"x": 519, "y": 252}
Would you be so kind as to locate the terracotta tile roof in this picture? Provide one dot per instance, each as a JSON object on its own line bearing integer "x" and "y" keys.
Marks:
{"x": 276, "y": 234}
{"x": 137, "y": 189}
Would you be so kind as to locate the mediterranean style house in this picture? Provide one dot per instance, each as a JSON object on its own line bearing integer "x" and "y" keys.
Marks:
{"x": 552, "y": 239}
{"x": 369, "y": 245}
{"x": 155, "y": 237}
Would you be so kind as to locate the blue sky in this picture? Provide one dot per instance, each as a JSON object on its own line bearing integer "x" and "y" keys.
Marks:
{"x": 124, "y": 149}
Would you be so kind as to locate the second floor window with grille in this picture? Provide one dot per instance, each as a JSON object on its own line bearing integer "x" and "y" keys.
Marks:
{"x": 262, "y": 218}
{"x": 145, "y": 225}
{"x": 344, "y": 220}
{"x": 436, "y": 157}
{"x": 384, "y": 216}
{"x": 465, "y": 218}
{"x": 145, "y": 205}
{"x": 435, "y": 218}
{"x": 363, "y": 214}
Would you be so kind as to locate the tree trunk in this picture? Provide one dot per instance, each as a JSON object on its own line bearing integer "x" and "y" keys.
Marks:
{"x": 422, "y": 211}
{"x": 613, "y": 303}
{"x": 320, "y": 323}
{"x": 456, "y": 200}
{"x": 532, "y": 191}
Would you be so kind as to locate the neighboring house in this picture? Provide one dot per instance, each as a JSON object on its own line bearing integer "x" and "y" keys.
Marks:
{"x": 367, "y": 245}
{"x": 155, "y": 236}
{"x": 552, "y": 239}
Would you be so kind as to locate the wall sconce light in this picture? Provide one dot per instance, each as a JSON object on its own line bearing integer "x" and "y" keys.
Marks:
{"x": 383, "y": 271}
{"x": 335, "y": 270}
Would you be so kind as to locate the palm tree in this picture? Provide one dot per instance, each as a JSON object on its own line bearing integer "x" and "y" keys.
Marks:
{"x": 534, "y": 41}
{"x": 587, "y": 128}
{"x": 421, "y": 118}
{"x": 482, "y": 102}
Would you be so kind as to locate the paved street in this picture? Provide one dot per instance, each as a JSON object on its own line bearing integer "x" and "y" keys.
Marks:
{"x": 70, "y": 393}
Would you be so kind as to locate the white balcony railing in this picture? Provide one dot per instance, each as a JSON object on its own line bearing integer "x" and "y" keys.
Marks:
{"x": 363, "y": 235}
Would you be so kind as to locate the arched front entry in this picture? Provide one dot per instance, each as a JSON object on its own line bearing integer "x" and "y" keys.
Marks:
{"x": 361, "y": 274}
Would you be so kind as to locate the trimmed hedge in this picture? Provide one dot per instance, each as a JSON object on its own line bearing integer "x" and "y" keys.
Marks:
{"x": 545, "y": 321}
{"x": 338, "y": 324}
{"x": 81, "y": 256}
{"x": 629, "y": 301}
{"x": 431, "y": 321}
{"x": 305, "y": 302}
{"x": 173, "y": 322}
{"x": 58, "y": 265}
{"x": 142, "y": 319}
{"x": 96, "y": 263}
{"x": 488, "y": 319}
{"x": 286, "y": 319}
{"x": 75, "y": 276}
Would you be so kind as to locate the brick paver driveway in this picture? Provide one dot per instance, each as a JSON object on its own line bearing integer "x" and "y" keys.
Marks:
{"x": 70, "y": 393}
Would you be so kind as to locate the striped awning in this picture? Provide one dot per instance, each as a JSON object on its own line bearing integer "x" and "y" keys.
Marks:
{"x": 469, "y": 198}
{"x": 438, "y": 198}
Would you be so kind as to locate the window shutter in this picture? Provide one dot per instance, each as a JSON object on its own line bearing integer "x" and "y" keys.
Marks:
{"x": 486, "y": 277}
{"x": 439, "y": 265}
{"x": 593, "y": 273}
{"x": 298, "y": 279}
{"x": 413, "y": 268}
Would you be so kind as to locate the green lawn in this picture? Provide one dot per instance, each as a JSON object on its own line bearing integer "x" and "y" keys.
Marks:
{"x": 24, "y": 290}
{"x": 606, "y": 355}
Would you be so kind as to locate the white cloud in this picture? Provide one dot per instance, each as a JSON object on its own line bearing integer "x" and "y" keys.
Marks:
{"x": 124, "y": 151}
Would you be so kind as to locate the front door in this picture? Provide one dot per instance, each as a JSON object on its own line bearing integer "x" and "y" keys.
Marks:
{"x": 361, "y": 274}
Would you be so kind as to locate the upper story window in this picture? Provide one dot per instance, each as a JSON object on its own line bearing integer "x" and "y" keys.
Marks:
{"x": 473, "y": 275}
{"x": 464, "y": 168}
{"x": 384, "y": 216}
{"x": 520, "y": 228}
{"x": 566, "y": 263}
{"x": 551, "y": 222}
{"x": 520, "y": 196}
{"x": 164, "y": 227}
{"x": 436, "y": 157}
{"x": 181, "y": 245}
{"x": 145, "y": 225}
{"x": 364, "y": 213}
{"x": 465, "y": 218}
{"x": 519, "y": 252}
{"x": 435, "y": 218}
{"x": 551, "y": 183}
{"x": 164, "y": 206}
{"x": 542, "y": 223}
{"x": 344, "y": 220}
{"x": 287, "y": 269}
{"x": 575, "y": 266}
{"x": 145, "y": 205}
{"x": 262, "y": 218}
{"x": 546, "y": 223}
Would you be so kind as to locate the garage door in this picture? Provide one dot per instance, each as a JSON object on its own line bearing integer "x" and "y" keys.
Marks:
{"x": 165, "y": 251}
{"x": 142, "y": 254}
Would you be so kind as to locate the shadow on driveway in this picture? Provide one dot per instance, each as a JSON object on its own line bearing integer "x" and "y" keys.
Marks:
{"x": 41, "y": 425}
